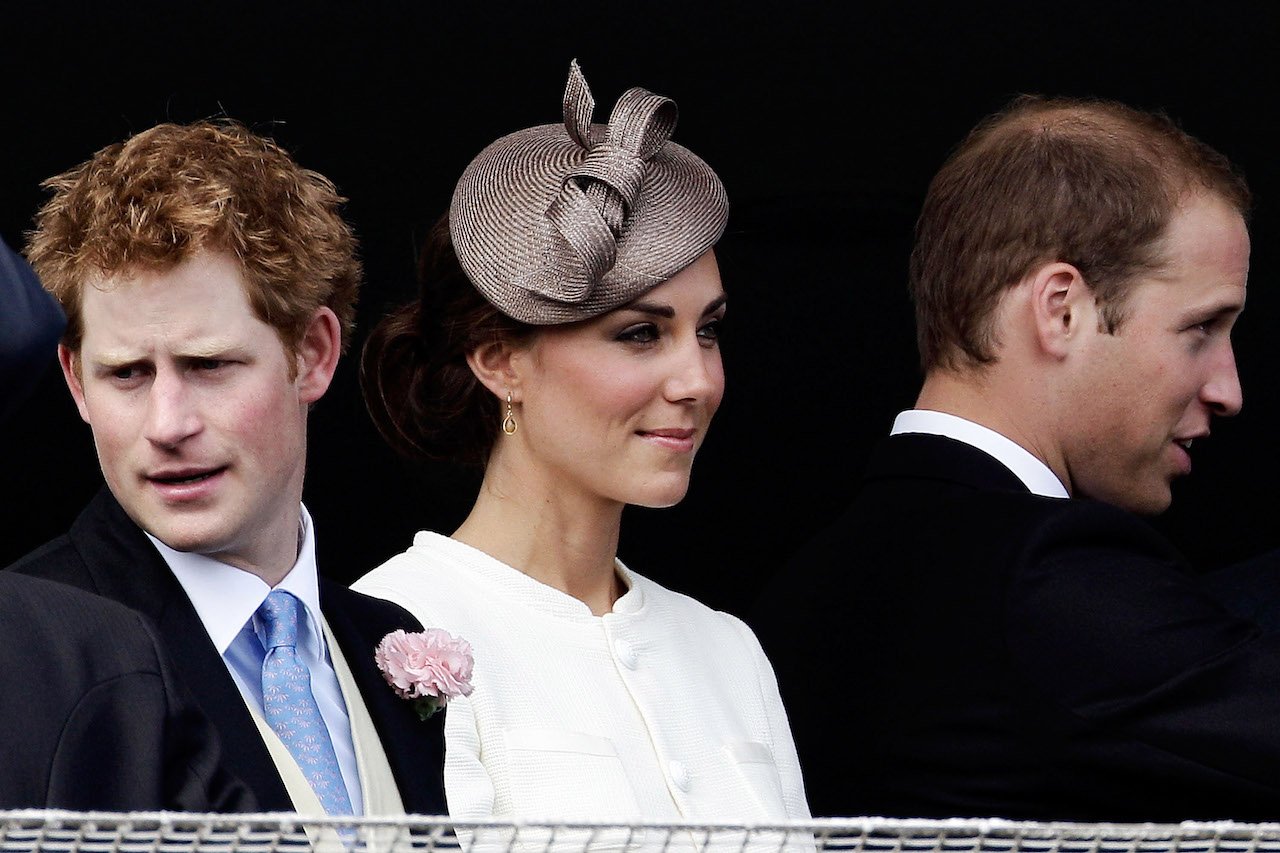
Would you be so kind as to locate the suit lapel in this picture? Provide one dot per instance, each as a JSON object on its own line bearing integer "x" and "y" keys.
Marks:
{"x": 377, "y": 781}
{"x": 125, "y": 566}
{"x": 414, "y": 749}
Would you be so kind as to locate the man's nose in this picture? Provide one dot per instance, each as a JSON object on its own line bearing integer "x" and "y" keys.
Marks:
{"x": 1222, "y": 392}
{"x": 171, "y": 412}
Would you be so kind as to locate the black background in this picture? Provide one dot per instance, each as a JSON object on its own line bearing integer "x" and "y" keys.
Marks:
{"x": 825, "y": 121}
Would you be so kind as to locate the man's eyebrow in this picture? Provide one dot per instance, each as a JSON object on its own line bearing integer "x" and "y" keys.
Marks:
{"x": 205, "y": 349}
{"x": 115, "y": 358}
{"x": 1210, "y": 310}
{"x": 193, "y": 351}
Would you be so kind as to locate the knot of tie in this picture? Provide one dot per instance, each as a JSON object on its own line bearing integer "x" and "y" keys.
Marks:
{"x": 279, "y": 615}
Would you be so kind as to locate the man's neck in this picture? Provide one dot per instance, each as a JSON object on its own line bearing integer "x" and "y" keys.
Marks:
{"x": 979, "y": 395}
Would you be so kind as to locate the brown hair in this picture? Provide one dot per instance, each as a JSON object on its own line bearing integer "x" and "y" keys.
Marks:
{"x": 170, "y": 192}
{"x": 1090, "y": 183}
{"x": 420, "y": 391}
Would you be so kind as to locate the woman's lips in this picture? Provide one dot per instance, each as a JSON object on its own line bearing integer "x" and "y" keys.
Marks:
{"x": 679, "y": 440}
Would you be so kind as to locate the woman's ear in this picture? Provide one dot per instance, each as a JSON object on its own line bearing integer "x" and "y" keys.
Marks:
{"x": 497, "y": 365}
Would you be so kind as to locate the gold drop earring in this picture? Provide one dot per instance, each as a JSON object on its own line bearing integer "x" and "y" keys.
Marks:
{"x": 509, "y": 422}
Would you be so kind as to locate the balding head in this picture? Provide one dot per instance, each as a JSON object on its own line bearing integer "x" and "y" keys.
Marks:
{"x": 1090, "y": 183}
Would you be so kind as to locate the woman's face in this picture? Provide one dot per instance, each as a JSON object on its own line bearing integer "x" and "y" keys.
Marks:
{"x": 617, "y": 406}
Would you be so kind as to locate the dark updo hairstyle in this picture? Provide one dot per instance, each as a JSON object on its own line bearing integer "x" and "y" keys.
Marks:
{"x": 418, "y": 387}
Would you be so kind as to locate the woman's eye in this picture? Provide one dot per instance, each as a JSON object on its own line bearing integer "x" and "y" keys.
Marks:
{"x": 641, "y": 333}
{"x": 710, "y": 331}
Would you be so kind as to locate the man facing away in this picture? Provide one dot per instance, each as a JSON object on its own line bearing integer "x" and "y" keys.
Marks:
{"x": 209, "y": 285}
{"x": 92, "y": 715}
{"x": 1002, "y": 635}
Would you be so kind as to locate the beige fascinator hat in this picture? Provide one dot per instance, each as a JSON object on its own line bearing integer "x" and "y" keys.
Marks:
{"x": 559, "y": 223}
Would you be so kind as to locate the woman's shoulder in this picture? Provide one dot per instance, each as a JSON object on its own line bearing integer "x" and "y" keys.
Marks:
{"x": 725, "y": 645}
{"x": 687, "y": 609}
{"x": 430, "y": 572}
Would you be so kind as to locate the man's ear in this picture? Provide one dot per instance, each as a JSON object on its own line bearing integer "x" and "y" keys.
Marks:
{"x": 1061, "y": 303}
{"x": 497, "y": 365}
{"x": 70, "y": 363}
{"x": 317, "y": 354}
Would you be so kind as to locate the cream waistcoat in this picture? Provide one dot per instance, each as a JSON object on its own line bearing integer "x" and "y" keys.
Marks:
{"x": 381, "y": 796}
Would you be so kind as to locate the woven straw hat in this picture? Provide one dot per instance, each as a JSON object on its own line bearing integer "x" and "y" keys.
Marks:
{"x": 559, "y": 223}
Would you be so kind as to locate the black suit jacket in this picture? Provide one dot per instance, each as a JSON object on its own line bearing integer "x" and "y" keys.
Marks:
{"x": 956, "y": 646}
{"x": 91, "y": 714}
{"x": 106, "y": 553}
{"x": 1250, "y": 589}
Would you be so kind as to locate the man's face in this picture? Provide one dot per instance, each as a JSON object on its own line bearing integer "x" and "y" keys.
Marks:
{"x": 1143, "y": 394}
{"x": 200, "y": 431}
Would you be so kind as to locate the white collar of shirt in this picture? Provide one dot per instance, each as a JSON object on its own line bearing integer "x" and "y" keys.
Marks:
{"x": 225, "y": 598}
{"x": 1034, "y": 474}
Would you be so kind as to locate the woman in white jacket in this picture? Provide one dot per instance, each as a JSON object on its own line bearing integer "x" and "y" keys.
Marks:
{"x": 566, "y": 339}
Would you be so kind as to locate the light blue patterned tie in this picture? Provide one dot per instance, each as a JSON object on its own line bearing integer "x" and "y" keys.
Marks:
{"x": 290, "y": 707}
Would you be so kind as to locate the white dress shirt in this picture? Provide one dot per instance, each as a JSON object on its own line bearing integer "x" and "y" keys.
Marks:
{"x": 1035, "y": 475}
{"x": 227, "y": 599}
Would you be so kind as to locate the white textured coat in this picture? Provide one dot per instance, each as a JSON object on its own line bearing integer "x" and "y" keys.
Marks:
{"x": 660, "y": 710}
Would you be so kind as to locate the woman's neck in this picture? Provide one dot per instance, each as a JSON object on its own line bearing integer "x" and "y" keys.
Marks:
{"x": 560, "y": 537}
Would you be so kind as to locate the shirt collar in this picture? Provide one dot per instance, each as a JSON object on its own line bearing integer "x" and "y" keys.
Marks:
{"x": 1034, "y": 474}
{"x": 225, "y": 598}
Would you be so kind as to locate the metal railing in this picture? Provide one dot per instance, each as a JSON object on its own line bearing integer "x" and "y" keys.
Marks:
{"x": 173, "y": 832}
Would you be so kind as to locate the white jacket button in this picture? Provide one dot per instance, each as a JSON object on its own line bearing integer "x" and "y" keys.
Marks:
{"x": 679, "y": 775}
{"x": 626, "y": 653}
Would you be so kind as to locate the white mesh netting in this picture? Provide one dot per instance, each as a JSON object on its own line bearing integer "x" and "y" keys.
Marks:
{"x": 95, "y": 832}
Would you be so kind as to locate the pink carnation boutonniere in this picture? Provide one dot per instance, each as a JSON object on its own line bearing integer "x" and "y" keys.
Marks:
{"x": 426, "y": 667}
